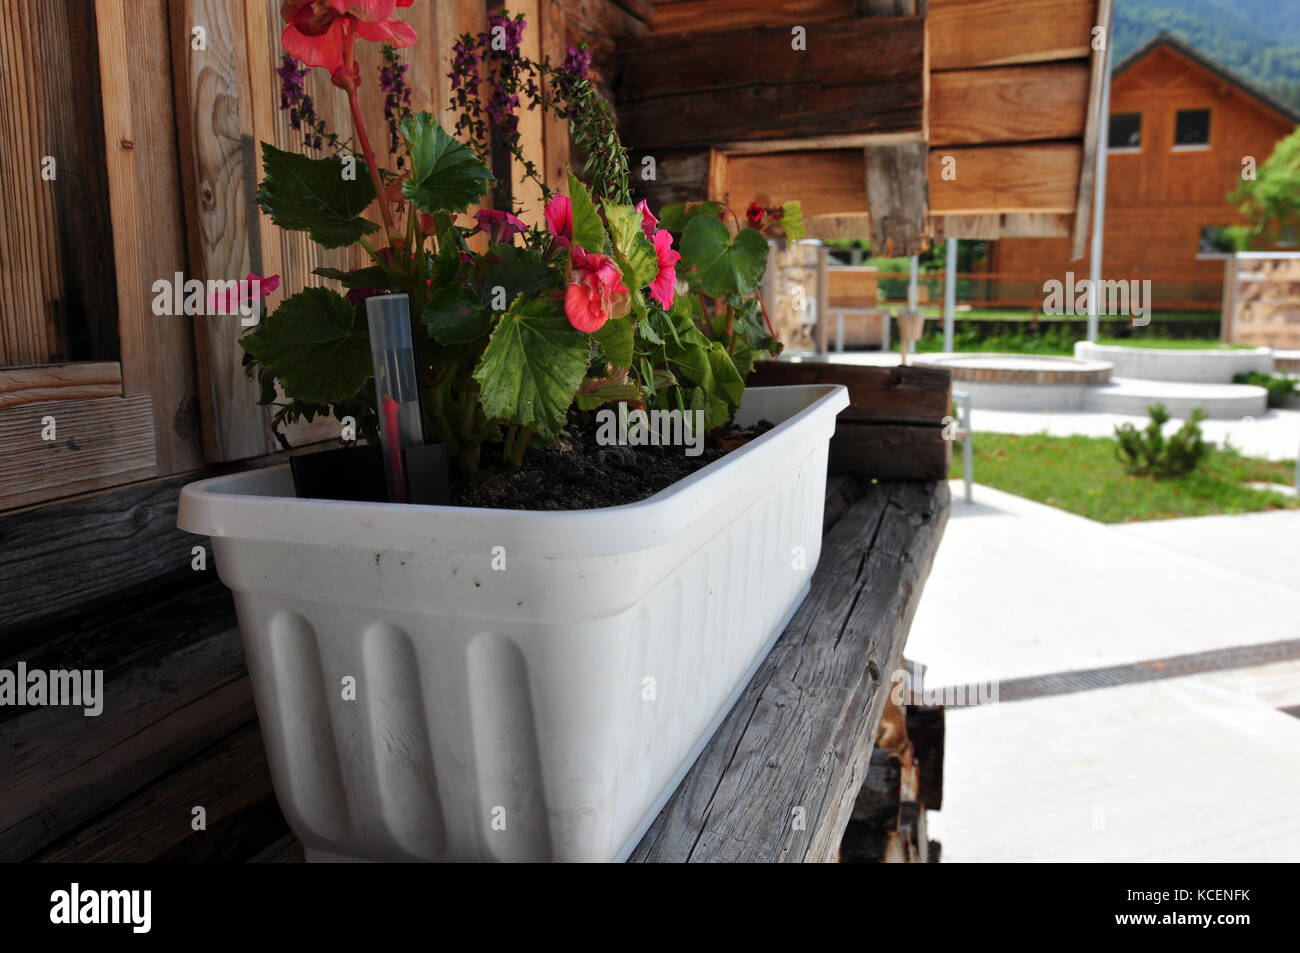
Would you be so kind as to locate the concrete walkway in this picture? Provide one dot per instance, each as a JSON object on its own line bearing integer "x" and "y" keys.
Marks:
{"x": 1201, "y": 767}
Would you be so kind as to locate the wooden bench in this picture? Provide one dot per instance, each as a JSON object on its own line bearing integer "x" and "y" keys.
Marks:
{"x": 179, "y": 729}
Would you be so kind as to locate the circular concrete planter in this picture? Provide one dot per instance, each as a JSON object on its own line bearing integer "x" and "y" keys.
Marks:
{"x": 1193, "y": 367}
{"x": 1021, "y": 381}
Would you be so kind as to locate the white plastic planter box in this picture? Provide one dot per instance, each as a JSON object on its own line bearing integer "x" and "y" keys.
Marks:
{"x": 541, "y": 712}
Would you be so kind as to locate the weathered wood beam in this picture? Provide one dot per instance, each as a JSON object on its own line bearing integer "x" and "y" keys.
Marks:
{"x": 94, "y": 443}
{"x": 899, "y": 198}
{"x": 708, "y": 15}
{"x": 778, "y": 780}
{"x": 888, "y": 395}
{"x": 29, "y": 385}
{"x": 1009, "y": 104}
{"x": 858, "y": 78}
{"x": 971, "y": 33}
{"x": 1040, "y": 177}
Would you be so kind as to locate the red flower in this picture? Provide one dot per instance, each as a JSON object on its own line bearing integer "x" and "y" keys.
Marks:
{"x": 317, "y": 31}
{"x": 648, "y": 221}
{"x": 754, "y": 215}
{"x": 559, "y": 218}
{"x": 664, "y": 287}
{"x": 499, "y": 225}
{"x": 593, "y": 283}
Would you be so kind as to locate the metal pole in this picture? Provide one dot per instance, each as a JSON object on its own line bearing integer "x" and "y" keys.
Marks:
{"x": 1099, "y": 199}
{"x": 911, "y": 285}
{"x": 949, "y": 295}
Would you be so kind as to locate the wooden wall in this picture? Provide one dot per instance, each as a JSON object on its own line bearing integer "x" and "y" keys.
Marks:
{"x": 1159, "y": 199}
{"x": 1009, "y": 83}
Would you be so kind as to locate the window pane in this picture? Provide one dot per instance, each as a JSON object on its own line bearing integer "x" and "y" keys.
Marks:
{"x": 1193, "y": 127}
{"x": 1215, "y": 242}
{"x": 1125, "y": 130}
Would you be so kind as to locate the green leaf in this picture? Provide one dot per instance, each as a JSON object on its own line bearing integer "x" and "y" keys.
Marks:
{"x": 609, "y": 393}
{"x": 314, "y": 346}
{"x": 372, "y": 277}
{"x": 792, "y": 221}
{"x": 311, "y": 195}
{"x": 646, "y": 329}
{"x": 723, "y": 265}
{"x": 455, "y": 315}
{"x": 637, "y": 258}
{"x": 533, "y": 365}
{"x": 676, "y": 217}
{"x": 517, "y": 270}
{"x": 725, "y": 376}
{"x": 587, "y": 229}
{"x": 615, "y": 340}
{"x": 446, "y": 175}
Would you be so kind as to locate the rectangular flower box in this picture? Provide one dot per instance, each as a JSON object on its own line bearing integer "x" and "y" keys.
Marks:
{"x": 448, "y": 683}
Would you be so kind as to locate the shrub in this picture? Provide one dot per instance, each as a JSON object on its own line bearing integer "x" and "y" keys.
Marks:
{"x": 1279, "y": 386}
{"x": 1147, "y": 452}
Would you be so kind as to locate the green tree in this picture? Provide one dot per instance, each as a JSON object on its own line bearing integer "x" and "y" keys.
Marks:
{"x": 1270, "y": 202}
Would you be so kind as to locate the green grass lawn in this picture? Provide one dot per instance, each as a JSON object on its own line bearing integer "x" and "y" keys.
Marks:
{"x": 1082, "y": 475}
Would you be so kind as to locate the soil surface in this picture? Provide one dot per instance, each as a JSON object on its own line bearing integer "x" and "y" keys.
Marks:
{"x": 581, "y": 474}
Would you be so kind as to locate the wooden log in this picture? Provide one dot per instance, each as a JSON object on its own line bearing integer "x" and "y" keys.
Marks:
{"x": 841, "y": 493}
{"x": 702, "y": 89}
{"x": 894, "y": 395}
{"x": 890, "y": 451}
{"x": 801, "y": 734}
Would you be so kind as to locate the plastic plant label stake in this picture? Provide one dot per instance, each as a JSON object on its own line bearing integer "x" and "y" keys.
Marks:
{"x": 397, "y": 386}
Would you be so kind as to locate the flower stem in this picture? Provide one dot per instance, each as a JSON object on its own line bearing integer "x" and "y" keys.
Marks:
{"x": 349, "y": 62}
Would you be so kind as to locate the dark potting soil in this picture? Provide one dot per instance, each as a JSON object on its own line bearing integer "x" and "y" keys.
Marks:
{"x": 581, "y": 474}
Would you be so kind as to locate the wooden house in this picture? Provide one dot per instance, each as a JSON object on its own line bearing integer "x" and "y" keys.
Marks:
{"x": 1183, "y": 130}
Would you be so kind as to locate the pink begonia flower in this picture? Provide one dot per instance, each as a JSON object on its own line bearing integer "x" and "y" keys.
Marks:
{"x": 664, "y": 287}
{"x": 559, "y": 218}
{"x": 499, "y": 225}
{"x": 648, "y": 221}
{"x": 593, "y": 283}
{"x": 234, "y": 300}
{"x": 316, "y": 30}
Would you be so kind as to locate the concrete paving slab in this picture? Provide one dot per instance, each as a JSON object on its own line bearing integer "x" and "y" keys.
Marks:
{"x": 1019, "y": 588}
{"x": 1264, "y": 545}
{"x": 1192, "y": 769}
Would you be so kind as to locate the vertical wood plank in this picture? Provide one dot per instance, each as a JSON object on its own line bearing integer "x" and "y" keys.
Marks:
{"x": 527, "y": 195}
{"x": 213, "y": 111}
{"x": 157, "y": 352}
{"x": 555, "y": 132}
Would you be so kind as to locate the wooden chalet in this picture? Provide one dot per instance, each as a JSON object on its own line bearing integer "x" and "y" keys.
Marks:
{"x": 1181, "y": 127}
